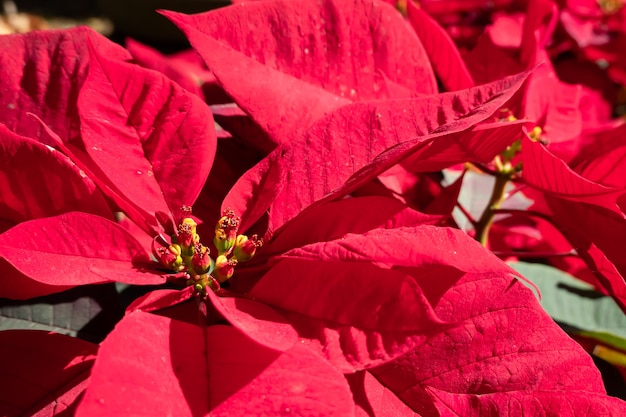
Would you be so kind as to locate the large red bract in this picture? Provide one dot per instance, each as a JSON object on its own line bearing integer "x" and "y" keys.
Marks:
{"x": 335, "y": 121}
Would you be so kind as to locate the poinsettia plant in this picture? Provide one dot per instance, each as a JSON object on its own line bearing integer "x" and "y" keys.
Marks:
{"x": 292, "y": 197}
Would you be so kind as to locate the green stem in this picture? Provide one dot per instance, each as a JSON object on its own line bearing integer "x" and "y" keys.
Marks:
{"x": 497, "y": 197}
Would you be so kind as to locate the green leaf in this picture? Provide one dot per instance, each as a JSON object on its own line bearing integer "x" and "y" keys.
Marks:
{"x": 576, "y": 304}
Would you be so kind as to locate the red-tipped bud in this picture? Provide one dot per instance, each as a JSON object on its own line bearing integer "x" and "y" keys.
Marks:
{"x": 169, "y": 257}
{"x": 187, "y": 236}
{"x": 246, "y": 248}
{"x": 224, "y": 268}
{"x": 226, "y": 231}
{"x": 201, "y": 261}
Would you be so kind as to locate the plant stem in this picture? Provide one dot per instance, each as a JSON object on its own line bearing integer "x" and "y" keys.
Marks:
{"x": 497, "y": 197}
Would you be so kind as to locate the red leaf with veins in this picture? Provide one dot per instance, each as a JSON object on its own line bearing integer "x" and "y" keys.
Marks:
{"x": 356, "y": 315}
{"x": 43, "y": 374}
{"x": 587, "y": 213}
{"x": 53, "y": 254}
{"x": 188, "y": 74}
{"x": 186, "y": 68}
{"x": 557, "y": 404}
{"x": 360, "y": 300}
{"x": 354, "y": 39}
{"x": 160, "y": 299}
{"x": 294, "y": 61}
{"x": 282, "y": 105}
{"x": 42, "y": 73}
{"x": 51, "y": 186}
{"x": 343, "y": 150}
{"x": 337, "y": 218}
{"x": 327, "y": 222}
{"x": 443, "y": 53}
{"x": 480, "y": 144}
{"x": 599, "y": 236}
{"x": 187, "y": 370}
{"x": 259, "y": 322}
{"x": 602, "y": 160}
{"x": 154, "y": 140}
{"x": 419, "y": 246}
{"x": 546, "y": 172}
{"x": 503, "y": 342}
{"x": 373, "y": 399}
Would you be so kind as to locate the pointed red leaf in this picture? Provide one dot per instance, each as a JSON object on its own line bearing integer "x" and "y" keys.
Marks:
{"x": 338, "y": 218}
{"x": 406, "y": 247}
{"x": 503, "y": 342}
{"x": 373, "y": 399}
{"x": 187, "y": 370}
{"x": 153, "y": 140}
{"x": 356, "y": 315}
{"x": 355, "y": 143}
{"x": 37, "y": 181}
{"x": 160, "y": 299}
{"x": 257, "y": 188}
{"x": 443, "y": 53}
{"x": 236, "y": 122}
{"x": 599, "y": 236}
{"x": 586, "y": 212}
{"x": 185, "y": 73}
{"x": 53, "y": 254}
{"x": 602, "y": 161}
{"x": 550, "y": 174}
{"x": 550, "y": 403}
{"x": 259, "y": 322}
{"x": 278, "y": 52}
{"x": 260, "y": 90}
{"x": 43, "y": 72}
{"x": 480, "y": 144}
{"x": 362, "y": 300}
{"x": 355, "y": 39}
{"x": 42, "y": 374}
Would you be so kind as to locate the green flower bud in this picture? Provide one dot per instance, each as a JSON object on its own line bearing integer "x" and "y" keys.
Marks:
{"x": 226, "y": 231}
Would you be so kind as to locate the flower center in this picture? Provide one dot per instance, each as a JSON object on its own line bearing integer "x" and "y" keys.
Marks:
{"x": 186, "y": 254}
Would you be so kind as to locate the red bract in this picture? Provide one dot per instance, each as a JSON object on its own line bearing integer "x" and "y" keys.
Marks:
{"x": 56, "y": 253}
{"x": 353, "y": 144}
{"x": 43, "y": 73}
{"x": 46, "y": 373}
{"x": 382, "y": 272}
{"x": 52, "y": 186}
{"x": 186, "y": 67}
{"x": 188, "y": 370}
{"x": 485, "y": 354}
{"x": 541, "y": 403}
{"x": 344, "y": 303}
{"x": 308, "y": 58}
{"x": 519, "y": 43}
{"x": 588, "y": 213}
{"x": 443, "y": 54}
{"x": 134, "y": 140}
{"x": 144, "y": 141}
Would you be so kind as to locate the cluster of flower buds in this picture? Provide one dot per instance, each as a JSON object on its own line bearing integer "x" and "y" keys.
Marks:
{"x": 505, "y": 164}
{"x": 231, "y": 247}
{"x": 187, "y": 255}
